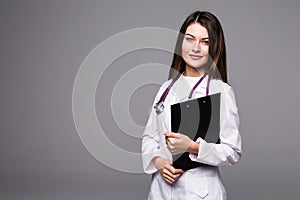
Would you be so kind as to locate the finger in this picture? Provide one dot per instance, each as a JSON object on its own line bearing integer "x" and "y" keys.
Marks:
{"x": 168, "y": 142}
{"x": 176, "y": 178}
{"x": 170, "y": 146}
{"x": 178, "y": 171}
{"x": 171, "y": 134}
{"x": 171, "y": 169}
{"x": 168, "y": 173}
{"x": 163, "y": 176}
{"x": 168, "y": 178}
{"x": 169, "y": 182}
{"x": 171, "y": 140}
{"x": 173, "y": 178}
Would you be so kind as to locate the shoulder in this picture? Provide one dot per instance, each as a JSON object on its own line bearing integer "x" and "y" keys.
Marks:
{"x": 162, "y": 88}
{"x": 225, "y": 89}
{"x": 229, "y": 91}
{"x": 166, "y": 83}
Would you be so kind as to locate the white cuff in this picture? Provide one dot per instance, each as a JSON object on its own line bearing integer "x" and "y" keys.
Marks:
{"x": 148, "y": 165}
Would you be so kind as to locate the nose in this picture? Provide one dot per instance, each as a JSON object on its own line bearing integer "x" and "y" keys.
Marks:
{"x": 196, "y": 47}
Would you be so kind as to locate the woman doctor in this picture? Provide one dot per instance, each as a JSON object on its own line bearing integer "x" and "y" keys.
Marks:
{"x": 198, "y": 69}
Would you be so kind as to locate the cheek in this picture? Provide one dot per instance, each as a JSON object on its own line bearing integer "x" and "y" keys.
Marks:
{"x": 185, "y": 52}
{"x": 185, "y": 47}
{"x": 205, "y": 50}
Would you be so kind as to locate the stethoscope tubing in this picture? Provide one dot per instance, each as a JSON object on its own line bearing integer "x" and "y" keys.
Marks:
{"x": 159, "y": 106}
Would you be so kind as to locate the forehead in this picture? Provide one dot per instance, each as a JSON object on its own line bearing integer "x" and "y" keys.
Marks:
{"x": 197, "y": 30}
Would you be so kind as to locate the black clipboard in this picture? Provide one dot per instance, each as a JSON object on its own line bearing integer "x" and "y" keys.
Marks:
{"x": 196, "y": 118}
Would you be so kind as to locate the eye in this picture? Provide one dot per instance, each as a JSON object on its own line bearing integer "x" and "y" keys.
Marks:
{"x": 189, "y": 39}
{"x": 206, "y": 42}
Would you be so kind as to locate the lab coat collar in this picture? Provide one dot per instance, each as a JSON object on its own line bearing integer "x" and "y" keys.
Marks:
{"x": 183, "y": 87}
{"x": 201, "y": 86}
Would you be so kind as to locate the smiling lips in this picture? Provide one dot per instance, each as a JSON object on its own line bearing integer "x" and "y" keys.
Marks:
{"x": 195, "y": 57}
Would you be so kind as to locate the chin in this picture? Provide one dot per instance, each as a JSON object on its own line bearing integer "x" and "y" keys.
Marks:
{"x": 196, "y": 65}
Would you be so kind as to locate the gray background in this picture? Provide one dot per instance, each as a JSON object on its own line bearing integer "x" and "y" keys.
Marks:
{"x": 42, "y": 46}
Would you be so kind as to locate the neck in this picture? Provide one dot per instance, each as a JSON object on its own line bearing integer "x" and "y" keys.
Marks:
{"x": 194, "y": 72}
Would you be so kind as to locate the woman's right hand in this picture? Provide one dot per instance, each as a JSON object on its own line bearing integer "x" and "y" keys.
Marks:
{"x": 166, "y": 170}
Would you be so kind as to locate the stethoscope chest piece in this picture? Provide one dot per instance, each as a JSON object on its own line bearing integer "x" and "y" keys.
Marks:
{"x": 159, "y": 107}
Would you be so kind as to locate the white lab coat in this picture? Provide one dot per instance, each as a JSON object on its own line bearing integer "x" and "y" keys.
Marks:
{"x": 202, "y": 182}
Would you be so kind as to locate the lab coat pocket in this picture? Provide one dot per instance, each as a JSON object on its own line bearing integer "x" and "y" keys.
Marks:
{"x": 197, "y": 187}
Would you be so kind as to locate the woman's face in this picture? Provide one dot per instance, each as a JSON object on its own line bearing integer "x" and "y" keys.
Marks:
{"x": 195, "y": 46}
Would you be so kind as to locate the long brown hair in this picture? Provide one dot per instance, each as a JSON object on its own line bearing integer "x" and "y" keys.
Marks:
{"x": 217, "y": 50}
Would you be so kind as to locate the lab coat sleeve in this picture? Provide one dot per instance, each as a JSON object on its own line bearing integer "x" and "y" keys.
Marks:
{"x": 151, "y": 146}
{"x": 229, "y": 151}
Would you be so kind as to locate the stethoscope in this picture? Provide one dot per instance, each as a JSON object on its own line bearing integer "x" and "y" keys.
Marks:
{"x": 159, "y": 106}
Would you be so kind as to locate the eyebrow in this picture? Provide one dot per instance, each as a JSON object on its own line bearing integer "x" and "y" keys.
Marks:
{"x": 195, "y": 37}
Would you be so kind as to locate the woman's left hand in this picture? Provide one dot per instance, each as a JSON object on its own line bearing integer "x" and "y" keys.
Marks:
{"x": 178, "y": 143}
